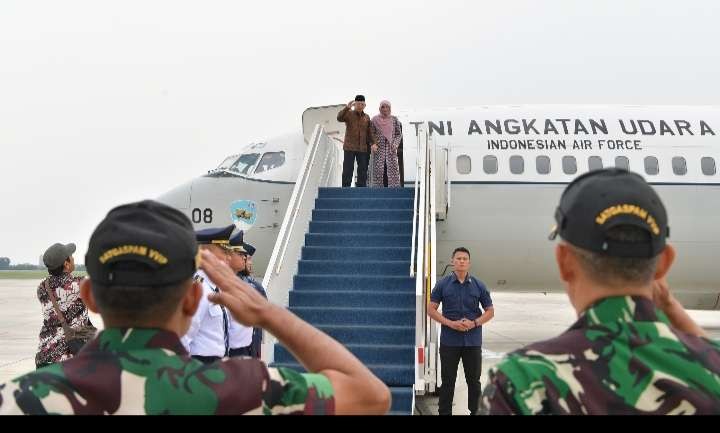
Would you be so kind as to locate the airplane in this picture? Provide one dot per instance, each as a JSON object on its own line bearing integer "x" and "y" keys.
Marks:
{"x": 507, "y": 167}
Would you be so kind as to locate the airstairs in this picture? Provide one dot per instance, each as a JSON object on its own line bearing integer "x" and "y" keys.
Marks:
{"x": 356, "y": 263}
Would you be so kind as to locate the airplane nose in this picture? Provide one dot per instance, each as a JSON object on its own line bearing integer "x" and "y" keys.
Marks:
{"x": 178, "y": 197}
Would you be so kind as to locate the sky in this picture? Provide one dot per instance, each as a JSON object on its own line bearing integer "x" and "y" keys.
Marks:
{"x": 108, "y": 102}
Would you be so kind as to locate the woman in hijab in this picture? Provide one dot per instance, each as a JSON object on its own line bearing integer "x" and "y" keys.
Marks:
{"x": 388, "y": 131}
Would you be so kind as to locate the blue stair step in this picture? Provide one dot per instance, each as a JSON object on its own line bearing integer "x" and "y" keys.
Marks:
{"x": 360, "y": 268}
{"x": 392, "y": 375}
{"x": 366, "y": 192}
{"x": 356, "y": 240}
{"x": 355, "y": 315}
{"x": 402, "y": 400}
{"x": 374, "y": 227}
{"x": 352, "y": 282}
{"x": 368, "y": 354}
{"x": 321, "y": 215}
{"x": 339, "y": 298}
{"x": 366, "y": 203}
{"x": 356, "y": 253}
{"x": 370, "y": 334}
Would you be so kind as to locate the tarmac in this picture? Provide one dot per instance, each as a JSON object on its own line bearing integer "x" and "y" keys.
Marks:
{"x": 520, "y": 318}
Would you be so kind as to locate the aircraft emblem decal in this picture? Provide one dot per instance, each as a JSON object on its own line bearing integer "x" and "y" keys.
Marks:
{"x": 243, "y": 214}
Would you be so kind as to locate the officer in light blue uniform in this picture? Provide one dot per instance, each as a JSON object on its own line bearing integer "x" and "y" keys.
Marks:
{"x": 208, "y": 338}
{"x": 238, "y": 244}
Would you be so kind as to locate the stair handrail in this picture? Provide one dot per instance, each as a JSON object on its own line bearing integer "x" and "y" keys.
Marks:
{"x": 432, "y": 327}
{"x": 320, "y": 168}
{"x": 418, "y": 175}
{"x": 432, "y": 181}
{"x": 430, "y": 171}
{"x": 419, "y": 253}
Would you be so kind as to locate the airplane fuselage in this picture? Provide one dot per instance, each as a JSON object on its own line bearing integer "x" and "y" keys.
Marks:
{"x": 507, "y": 167}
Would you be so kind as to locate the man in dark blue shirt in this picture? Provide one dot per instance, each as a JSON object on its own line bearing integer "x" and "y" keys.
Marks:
{"x": 461, "y": 296}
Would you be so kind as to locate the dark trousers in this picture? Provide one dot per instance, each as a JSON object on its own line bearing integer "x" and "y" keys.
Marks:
{"x": 363, "y": 159}
{"x": 472, "y": 363}
{"x": 206, "y": 359}
{"x": 240, "y": 351}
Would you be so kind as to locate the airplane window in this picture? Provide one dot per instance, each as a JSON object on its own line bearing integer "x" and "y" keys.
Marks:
{"x": 622, "y": 162}
{"x": 569, "y": 165}
{"x": 517, "y": 164}
{"x": 490, "y": 164}
{"x": 463, "y": 163}
{"x": 245, "y": 163}
{"x": 679, "y": 166}
{"x": 270, "y": 160}
{"x": 708, "y": 166}
{"x": 227, "y": 162}
{"x": 595, "y": 163}
{"x": 651, "y": 165}
{"x": 542, "y": 164}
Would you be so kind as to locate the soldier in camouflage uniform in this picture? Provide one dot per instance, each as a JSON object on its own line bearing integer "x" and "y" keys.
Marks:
{"x": 141, "y": 260}
{"x": 634, "y": 349}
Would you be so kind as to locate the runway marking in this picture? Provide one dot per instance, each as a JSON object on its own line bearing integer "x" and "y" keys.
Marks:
{"x": 15, "y": 362}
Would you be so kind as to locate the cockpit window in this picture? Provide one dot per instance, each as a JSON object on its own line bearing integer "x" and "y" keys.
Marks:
{"x": 245, "y": 163}
{"x": 227, "y": 162}
{"x": 270, "y": 160}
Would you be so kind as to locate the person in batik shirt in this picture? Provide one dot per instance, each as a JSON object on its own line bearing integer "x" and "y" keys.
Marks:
{"x": 53, "y": 347}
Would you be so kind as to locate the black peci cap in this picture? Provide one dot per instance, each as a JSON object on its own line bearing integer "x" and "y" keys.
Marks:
{"x": 142, "y": 244}
{"x": 360, "y": 98}
{"x": 599, "y": 200}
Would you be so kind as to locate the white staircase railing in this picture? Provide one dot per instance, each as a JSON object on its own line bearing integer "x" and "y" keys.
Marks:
{"x": 424, "y": 258}
{"x": 321, "y": 168}
{"x": 432, "y": 203}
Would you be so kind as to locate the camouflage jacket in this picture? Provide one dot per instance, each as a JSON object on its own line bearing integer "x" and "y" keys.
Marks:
{"x": 621, "y": 357}
{"x": 148, "y": 371}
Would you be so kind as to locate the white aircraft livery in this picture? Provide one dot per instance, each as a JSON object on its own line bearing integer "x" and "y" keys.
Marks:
{"x": 507, "y": 167}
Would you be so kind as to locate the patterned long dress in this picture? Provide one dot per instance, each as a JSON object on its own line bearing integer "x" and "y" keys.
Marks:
{"x": 52, "y": 347}
{"x": 386, "y": 156}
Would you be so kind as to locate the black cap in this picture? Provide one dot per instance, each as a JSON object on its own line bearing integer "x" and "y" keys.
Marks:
{"x": 237, "y": 244}
{"x": 249, "y": 249}
{"x": 360, "y": 98}
{"x": 142, "y": 244}
{"x": 599, "y": 200}
{"x": 215, "y": 236}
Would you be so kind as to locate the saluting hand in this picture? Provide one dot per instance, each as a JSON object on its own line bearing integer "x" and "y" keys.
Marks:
{"x": 351, "y": 103}
{"x": 662, "y": 297}
{"x": 246, "y": 305}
